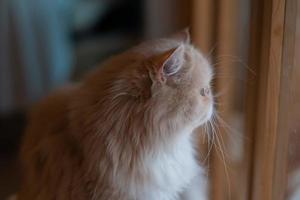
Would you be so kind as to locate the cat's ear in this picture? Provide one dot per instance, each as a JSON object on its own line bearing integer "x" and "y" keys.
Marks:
{"x": 169, "y": 63}
{"x": 182, "y": 36}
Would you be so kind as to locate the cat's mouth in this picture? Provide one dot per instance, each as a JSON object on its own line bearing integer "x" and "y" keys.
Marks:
{"x": 207, "y": 115}
{"x": 201, "y": 120}
{"x": 210, "y": 112}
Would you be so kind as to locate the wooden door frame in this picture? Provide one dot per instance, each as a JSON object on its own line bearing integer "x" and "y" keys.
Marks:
{"x": 272, "y": 35}
{"x": 273, "y": 25}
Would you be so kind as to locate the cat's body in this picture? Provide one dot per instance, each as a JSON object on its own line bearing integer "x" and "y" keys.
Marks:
{"x": 125, "y": 132}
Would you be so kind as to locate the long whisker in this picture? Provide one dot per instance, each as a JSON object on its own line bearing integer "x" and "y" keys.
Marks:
{"x": 221, "y": 137}
{"x": 220, "y": 151}
{"x": 234, "y": 59}
{"x": 210, "y": 53}
{"x": 210, "y": 143}
{"x": 229, "y": 130}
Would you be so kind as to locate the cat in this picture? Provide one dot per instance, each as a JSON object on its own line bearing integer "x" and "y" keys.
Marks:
{"x": 125, "y": 132}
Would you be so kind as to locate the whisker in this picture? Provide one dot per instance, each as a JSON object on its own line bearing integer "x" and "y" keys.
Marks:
{"x": 221, "y": 137}
{"x": 235, "y": 59}
{"x": 229, "y": 130}
{"x": 210, "y": 143}
{"x": 210, "y": 53}
{"x": 220, "y": 147}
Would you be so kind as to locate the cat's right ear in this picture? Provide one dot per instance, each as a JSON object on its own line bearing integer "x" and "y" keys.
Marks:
{"x": 168, "y": 63}
{"x": 182, "y": 36}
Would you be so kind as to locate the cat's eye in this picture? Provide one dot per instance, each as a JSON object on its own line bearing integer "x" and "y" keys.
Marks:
{"x": 204, "y": 91}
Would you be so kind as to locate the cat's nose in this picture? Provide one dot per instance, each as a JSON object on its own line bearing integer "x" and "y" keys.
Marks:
{"x": 204, "y": 91}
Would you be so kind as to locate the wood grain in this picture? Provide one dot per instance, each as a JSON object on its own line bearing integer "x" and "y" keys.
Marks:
{"x": 224, "y": 170}
{"x": 271, "y": 44}
{"x": 203, "y": 24}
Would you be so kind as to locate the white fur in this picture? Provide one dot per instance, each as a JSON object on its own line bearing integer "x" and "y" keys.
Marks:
{"x": 172, "y": 172}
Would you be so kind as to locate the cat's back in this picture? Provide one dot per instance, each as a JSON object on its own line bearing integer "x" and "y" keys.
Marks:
{"x": 46, "y": 142}
{"x": 50, "y": 114}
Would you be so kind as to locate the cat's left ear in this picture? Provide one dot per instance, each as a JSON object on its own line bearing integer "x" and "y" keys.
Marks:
{"x": 169, "y": 63}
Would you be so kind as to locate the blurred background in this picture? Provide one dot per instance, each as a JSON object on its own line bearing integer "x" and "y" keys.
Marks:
{"x": 45, "y": 44}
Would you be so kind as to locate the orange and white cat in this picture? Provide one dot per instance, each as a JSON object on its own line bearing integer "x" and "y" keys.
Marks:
{"x": 125, "y": 132}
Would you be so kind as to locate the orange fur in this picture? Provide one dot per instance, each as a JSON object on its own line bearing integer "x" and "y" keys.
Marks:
{"x": 91, "y": 140}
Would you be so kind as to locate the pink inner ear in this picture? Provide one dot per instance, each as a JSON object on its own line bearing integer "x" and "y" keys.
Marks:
{"x": 169, "y": 63}
{"x": 174, "y": 62}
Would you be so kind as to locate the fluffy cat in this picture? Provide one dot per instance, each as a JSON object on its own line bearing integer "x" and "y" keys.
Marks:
{"x": 125, "y": 132}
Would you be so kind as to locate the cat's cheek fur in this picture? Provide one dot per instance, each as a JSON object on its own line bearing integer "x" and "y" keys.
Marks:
{"x": 202, "y": 112}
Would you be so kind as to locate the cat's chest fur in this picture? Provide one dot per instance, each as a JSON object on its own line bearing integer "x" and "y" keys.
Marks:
{"x": 169, "y": 171}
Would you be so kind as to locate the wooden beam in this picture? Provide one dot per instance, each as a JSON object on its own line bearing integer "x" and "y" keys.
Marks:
{"x": 226, "y": 43}
{"x": 203, "y": 24}
{"x": 267, "y": 121}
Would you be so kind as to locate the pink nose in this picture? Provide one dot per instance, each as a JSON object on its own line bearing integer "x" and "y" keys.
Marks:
{"x": 205, "y": 91}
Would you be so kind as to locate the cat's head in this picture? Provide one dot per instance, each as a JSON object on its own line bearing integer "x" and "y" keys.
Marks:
{"x": 181, "y": 78}
{"x": 167, "y": 77}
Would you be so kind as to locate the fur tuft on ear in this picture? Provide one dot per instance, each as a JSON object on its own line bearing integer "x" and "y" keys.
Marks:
{"x": 169, "y": 62}
{"x": 182, "y": 36}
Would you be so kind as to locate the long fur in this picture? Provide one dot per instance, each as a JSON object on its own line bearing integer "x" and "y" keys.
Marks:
{"x": 124, "y": 132}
